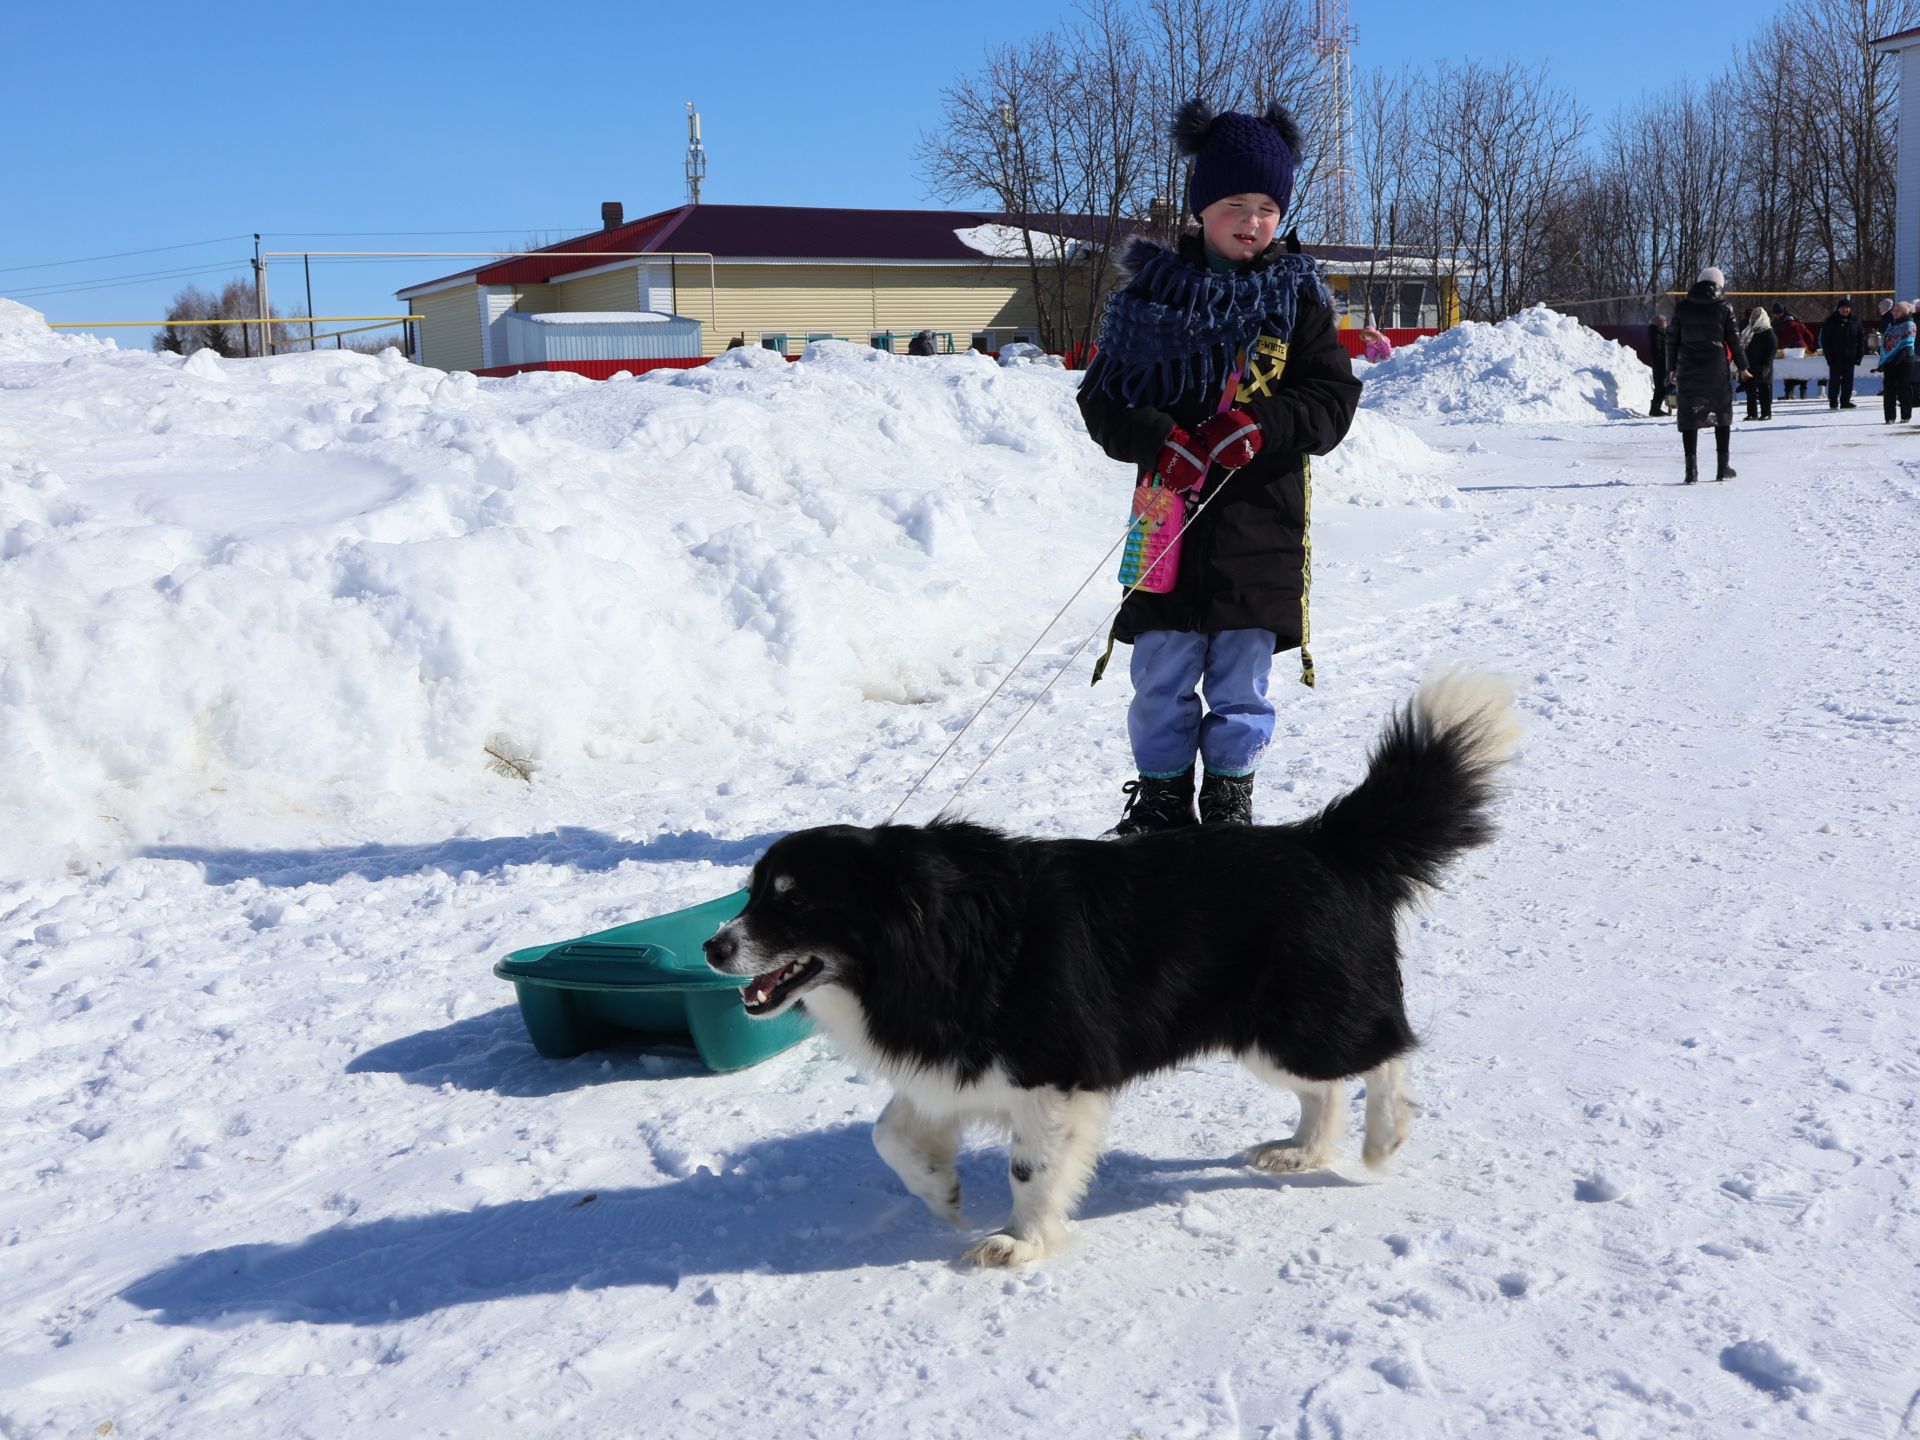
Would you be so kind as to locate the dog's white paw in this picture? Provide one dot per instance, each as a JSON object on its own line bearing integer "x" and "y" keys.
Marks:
{"x": 1388, "y": 1126}
{"x": 1283, "y": 1157}
{"x": 1380, "y": 1146}
{"x": 1004, "y": 1251}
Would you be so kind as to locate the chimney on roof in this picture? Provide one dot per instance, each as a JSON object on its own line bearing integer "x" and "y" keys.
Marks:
{"x": 612, "y": 215}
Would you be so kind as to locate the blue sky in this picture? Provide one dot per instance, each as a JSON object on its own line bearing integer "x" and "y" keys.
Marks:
{"x": 137, "y": 126}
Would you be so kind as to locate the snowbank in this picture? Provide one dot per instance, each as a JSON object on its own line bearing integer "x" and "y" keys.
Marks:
{"x": 24, "y": 336}
{"x": 314, "y": 583}
{"x": 1382, "y": 462}
{"x": 1537, "y": 366}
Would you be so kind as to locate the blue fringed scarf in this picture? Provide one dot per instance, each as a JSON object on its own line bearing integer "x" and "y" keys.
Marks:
{"x": 1175, "y": 329}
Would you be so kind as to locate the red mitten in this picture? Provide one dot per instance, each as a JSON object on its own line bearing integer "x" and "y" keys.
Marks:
{"x": 1230, "y": 439}
{"x": 1181, "y": 465}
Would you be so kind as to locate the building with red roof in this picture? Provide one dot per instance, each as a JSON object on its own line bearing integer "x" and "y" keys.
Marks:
{"x": 780, "y": 276}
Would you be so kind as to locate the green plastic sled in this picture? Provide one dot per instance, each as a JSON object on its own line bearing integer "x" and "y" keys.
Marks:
{"x": 647, "y": 978}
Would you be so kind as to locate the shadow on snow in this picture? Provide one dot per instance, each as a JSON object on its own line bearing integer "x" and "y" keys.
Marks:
{"x": 491, "y": 1052}
{"x": 580, "y": 849}
{"x": 796, "y": 1205}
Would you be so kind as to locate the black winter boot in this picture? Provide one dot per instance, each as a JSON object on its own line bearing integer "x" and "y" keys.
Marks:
{"x": 1690, "y": 440}
{"x": 1226, "y": 799}
{"x": 1721, "y": 441}
{"x": 1156, "y": 804}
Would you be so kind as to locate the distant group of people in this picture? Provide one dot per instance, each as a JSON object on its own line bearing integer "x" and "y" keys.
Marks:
{"x": 1698, "y": 355}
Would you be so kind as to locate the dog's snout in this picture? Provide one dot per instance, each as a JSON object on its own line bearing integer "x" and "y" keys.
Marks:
{"x": 721, "y": 948}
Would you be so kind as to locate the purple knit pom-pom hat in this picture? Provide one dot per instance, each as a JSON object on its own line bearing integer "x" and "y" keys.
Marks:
{"x": 1236, "y": 154}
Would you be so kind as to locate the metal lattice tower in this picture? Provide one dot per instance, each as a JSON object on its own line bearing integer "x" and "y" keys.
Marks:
{"x": 696, "y": 155}
{"x": 1333, "y": 40}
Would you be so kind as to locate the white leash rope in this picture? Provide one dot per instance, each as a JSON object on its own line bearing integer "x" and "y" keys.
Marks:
{"x": 914, "y": 788}
{"x": 1126, "y": 594}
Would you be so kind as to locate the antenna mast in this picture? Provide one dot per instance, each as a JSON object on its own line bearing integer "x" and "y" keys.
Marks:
{"x": 696, "y": 155}
{"x": 1333, "y": 39}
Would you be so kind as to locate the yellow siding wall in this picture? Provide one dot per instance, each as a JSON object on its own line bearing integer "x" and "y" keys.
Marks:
{"x": 450, "y": 328}
{"x": 616, "y": 290}
{"x": 1447, "y": 302}
{"x": 849, "y": 301}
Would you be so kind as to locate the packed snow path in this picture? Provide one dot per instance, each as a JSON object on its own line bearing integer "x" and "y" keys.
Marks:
{"x": 279, "y": 1159}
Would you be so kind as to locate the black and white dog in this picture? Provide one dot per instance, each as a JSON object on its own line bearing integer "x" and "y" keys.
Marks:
{"x": 1023, "y": 982}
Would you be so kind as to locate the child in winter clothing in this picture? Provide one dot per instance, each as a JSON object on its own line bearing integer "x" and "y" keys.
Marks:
{"x": 1896, "y": 362}
{"x": 1219, "y": 371}
{"x": 1793, "y": 336}
{"x": 1761, "y": 345}
{"x": 1376, "y": 346}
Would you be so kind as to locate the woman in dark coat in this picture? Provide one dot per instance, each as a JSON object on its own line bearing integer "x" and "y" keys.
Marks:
{"x": 1762, "y": 345}
{"x": 1706, "y": 352}
{"x": 1842, "y": 343}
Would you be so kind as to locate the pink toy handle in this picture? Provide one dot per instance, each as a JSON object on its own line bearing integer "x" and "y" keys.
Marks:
{"x": 1150, "y": 560}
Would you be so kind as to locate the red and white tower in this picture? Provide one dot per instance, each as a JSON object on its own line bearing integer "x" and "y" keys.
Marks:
{"x": 1333, "y": 40}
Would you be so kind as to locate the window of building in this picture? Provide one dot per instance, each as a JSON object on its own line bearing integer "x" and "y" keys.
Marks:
{"x": 775, "y": 340}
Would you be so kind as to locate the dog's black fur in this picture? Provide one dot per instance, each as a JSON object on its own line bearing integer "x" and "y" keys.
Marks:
{"x": 1079, "y": 965}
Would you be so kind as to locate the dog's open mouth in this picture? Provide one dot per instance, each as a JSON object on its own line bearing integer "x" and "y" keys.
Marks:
{"x": 765, "y": 992}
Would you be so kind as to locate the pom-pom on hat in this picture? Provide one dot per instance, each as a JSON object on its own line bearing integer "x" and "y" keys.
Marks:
{"x": 1236, "y": 154}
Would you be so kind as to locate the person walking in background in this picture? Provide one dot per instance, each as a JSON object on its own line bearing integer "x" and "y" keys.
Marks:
{"x": 1657, "y": 345}
{"x": 922, "y": 343}
{"x": 1793, "y": 336}
{"x": 1842, "y": 343}
{"x": 1705, "y": 334}
{"x": 1761, "y": 346}
{"x": 1377, "y": 346}
{"x": 1896, "y": 363}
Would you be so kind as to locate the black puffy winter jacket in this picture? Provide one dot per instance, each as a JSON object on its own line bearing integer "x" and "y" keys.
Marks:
{"x": 1244, "y": 563}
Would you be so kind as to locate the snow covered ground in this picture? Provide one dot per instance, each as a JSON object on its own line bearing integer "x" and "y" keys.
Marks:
{"x": 278, "y": 1158}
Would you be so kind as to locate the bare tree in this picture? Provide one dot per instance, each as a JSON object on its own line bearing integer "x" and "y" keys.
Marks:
{"x": 1773, "y": 237}
{"x": 1109, "y": 135}
{"x": 1513, "y": 140}
{"x": 227, "y": 334}
{"x": 1387, "y": 106}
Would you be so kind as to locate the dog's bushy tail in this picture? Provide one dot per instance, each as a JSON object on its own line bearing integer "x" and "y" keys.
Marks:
{"x": 1429, "y": 788}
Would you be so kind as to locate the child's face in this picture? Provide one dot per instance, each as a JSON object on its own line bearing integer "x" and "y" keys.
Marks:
{"x": 1239, "y": 227}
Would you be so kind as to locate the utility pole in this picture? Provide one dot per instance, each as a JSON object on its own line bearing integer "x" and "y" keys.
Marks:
{"x": 260, "y": 296}
{"x": 307, "y": 261}
{"x": 696, "y": 155}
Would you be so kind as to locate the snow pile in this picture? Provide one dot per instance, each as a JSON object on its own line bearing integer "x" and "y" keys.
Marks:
{"x": 1019, "y": 352}
{"x": 1010, "y": 242}
{"x": 24, "y": 335}
{"x": 1537, "y": 366}
{"x": 329, "y": 581}
{"x": 1382, "y": 462}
